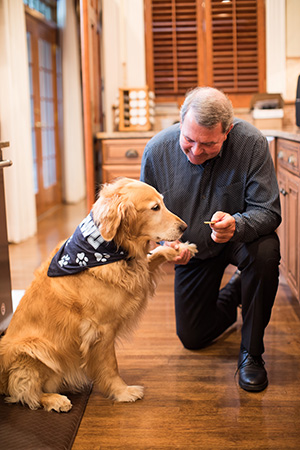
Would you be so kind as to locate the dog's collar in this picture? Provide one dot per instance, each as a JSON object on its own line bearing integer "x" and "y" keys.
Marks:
{"x": 85, "y": 249}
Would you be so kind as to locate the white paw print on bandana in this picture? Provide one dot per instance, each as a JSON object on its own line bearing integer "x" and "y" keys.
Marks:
{"x": 102, "y": 257}
{"x": 64, "y": 261}
{"x": 81, "y": 259}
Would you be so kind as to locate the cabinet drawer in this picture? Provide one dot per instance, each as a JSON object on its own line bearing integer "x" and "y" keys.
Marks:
{"x": 123, "y": 151}
{"x": 112, "y": 171}
{"x": 288, "y": 154}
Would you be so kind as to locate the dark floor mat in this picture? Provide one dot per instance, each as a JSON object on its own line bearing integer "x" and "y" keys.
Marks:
{"x": 21, "y": 428}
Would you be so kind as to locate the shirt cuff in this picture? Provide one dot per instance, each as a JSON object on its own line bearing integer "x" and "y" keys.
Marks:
{"x": 239, "y": 227}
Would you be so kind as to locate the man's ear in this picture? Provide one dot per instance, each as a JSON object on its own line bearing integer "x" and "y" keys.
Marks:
{"x": 229, "y": 129}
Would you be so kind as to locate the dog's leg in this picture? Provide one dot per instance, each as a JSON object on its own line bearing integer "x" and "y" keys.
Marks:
{"x": 102, "y": 367}
{"x": 50, "y": 399}
{"x": 57, "y": 402}
{"x": 25, "y": 385}
{"x": 163, "y": 253}
{"x": 160, "y": 255}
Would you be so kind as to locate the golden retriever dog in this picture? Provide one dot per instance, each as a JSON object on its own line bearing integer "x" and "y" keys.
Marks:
{"x": 62, "y": 334}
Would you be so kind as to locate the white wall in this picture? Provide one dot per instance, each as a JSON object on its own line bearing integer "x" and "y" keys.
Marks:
{"x": 15, "y": 122}
{"x": 292, "y": 47}
{"x": 275, "y": 46}
{"x": 73, "y": 172}
{"x": 123, "y": 50}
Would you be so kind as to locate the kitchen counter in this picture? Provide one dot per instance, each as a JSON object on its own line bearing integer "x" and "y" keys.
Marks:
{"x": 292, "y": 133}
{"x": 125, "y": 135}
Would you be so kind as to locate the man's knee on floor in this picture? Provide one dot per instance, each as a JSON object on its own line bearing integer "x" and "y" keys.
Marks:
{"x": 192, "y": 341}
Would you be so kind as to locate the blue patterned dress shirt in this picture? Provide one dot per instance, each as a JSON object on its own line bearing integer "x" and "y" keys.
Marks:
{"x": 240, "y": 181}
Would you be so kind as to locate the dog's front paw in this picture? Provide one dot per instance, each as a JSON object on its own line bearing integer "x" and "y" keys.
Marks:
{"x": 171, "y": 253}
{"x": 191, "y": 247}
{"x": 130, "y": 394}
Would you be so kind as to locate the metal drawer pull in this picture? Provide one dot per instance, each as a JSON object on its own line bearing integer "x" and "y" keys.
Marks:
{"x": 283, "y": 192}
{"x": 5, "y": 163}
{"x": 280, "y": 155}
{"x": 292, "y": 160}
{"x": 132, "y": 153}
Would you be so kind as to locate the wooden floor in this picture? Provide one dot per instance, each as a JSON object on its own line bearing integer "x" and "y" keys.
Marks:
{"x": 192, "y": 398}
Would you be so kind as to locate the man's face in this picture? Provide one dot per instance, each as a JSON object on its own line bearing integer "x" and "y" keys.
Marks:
{"x": 200, "y": 143}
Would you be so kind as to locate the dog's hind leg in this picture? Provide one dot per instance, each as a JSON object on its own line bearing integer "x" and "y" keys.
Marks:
{"x": 26, "y": 380}
{"x": 50, "y": 399}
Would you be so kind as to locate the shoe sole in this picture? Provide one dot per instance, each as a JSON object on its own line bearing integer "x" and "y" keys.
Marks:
{"x": 253, "y": 388}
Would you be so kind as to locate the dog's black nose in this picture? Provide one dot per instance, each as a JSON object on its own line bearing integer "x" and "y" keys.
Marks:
{"x": 183, "y": 227}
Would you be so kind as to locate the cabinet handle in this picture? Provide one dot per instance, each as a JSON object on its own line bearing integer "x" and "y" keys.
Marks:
{"x": 280, "y": 155}
{"x": 292, "y": 160}
{"x": 5, "y": 163}
{"x": 283, "y": 192}
{"x": 132, "y": 153}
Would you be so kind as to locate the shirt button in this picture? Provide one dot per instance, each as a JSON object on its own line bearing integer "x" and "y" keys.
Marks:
{"x": 203, "y": 197}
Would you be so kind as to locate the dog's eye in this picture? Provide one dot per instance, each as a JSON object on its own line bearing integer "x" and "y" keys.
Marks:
{"x": 155, "y": 208}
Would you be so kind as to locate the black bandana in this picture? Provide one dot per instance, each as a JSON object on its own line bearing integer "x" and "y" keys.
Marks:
{"x": 86, "y": 248}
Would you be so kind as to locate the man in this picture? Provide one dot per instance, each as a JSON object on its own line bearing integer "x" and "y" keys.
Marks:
{"x": 212, "y": 167}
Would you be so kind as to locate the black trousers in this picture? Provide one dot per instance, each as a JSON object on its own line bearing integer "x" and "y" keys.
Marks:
{"x": 204, "y": 312}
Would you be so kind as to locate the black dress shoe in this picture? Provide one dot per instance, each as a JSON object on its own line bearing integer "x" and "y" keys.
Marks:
{"x": 252, "y": 374}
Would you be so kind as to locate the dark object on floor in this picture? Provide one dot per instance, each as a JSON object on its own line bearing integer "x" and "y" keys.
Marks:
{"x": 252, "y": 373}
{"x": 22, "y": 428}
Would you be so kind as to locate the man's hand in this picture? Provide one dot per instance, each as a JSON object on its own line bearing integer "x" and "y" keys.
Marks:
{"x": 184, "y": 256}
{"x": 224, "y": 227}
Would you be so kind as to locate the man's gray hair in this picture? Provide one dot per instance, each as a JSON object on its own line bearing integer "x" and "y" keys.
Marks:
{"x": 210, "y": 107}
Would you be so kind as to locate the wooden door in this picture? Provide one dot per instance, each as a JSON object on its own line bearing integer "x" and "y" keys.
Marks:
{"x": 45, "y": 91}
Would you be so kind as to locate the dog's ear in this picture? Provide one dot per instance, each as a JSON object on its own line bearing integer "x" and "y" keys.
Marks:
{"x": 128, "y": 223}
{"x": 112, "y": 213}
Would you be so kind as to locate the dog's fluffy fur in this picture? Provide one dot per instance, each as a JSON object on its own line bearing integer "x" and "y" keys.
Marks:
{"x": 63, "y": 333}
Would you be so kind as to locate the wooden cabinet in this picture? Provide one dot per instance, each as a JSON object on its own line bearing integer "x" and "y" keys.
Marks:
{"x": 122, "y": 156}
{"x": 288, "y": 174}
{"x": 272, "y": 148}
